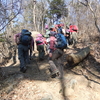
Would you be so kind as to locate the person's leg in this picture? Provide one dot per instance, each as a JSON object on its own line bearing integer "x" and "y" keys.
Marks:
{"x": 29, "y": 55}
{"x": 74, "y": 37}
{"x": 60, "y": 67}
{"x": 54, "y": 69}
{"x": 26, "y": 55}
{"x": 21, "y": 56}
{"x": 41, "y": 52}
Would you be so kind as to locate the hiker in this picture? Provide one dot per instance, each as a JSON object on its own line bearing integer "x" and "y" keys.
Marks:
{"x": 46, "y": 37}
{"x": 51, "y": 43}
{"x": 40, "y": 46}
{"x": 51, "y": 30}
{"x": 67, "y": 35}
{"x": 59, "y": 29}
{"x": 46, "y": 29}
{"x": 57, "y": 44}
{"x": 23, "y": 40}
{"x": 73, "y": 34}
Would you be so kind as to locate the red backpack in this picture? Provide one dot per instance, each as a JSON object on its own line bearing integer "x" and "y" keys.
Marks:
{"x": 73, "y": 28}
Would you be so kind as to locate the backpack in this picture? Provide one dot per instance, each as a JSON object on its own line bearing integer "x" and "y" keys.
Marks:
{"x": 52, "y": 42}
{"x": 25, "y": 39}
{"x": 61, "y": 41}
{"x": 39, "y": 40}
{"x": 59, "y": 30}
{"x": 73, "y": 28}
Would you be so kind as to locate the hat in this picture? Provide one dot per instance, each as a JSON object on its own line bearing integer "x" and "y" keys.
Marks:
{"x": 39, "y": 35}
{"x": 52, "y": 26}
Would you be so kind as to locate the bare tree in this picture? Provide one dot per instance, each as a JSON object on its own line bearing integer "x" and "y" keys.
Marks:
{"x": 88, "y": 3}
{"x": 9, "y": 9}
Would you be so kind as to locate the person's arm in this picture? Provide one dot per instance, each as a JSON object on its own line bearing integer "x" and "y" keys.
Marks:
{"x": 16, "y": 36}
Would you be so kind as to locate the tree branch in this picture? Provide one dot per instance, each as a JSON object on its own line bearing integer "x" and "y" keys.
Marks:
{"x": 84, "y": 3}
{"x": 18, "y": 11}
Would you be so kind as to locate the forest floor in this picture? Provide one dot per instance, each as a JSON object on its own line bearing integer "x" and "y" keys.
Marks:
{"x": 79, "y": 83}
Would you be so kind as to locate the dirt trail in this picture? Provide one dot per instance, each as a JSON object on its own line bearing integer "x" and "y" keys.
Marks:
{"x": 36, "y": 83}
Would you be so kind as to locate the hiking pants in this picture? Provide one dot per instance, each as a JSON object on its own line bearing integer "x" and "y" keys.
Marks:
{"x": 56, "y": 62}
{"x": 74, "y": 37}
{"x": 29, "y": 54}
{"x": 41, "y": 51}
{"x": 23, "y": 55}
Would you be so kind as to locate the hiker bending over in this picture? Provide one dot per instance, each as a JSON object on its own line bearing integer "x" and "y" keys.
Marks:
{"x": 57, "y": 44}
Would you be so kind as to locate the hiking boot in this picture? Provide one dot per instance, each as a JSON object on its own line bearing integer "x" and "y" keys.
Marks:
{"x": 54, "y": 75}
{"x": 41, "y": 59}
{"x": 23, "y": 69}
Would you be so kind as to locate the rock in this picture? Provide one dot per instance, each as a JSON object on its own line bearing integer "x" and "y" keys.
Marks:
{"x": 70, "y": 87}
{"x": 47, "y": 97}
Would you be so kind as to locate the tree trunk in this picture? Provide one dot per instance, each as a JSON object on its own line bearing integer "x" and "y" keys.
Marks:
{"x": 73, "y": 59}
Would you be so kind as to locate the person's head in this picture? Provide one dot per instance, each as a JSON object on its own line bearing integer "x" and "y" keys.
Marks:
{"x": 59, "y": 25}
{"x": 51, "y": 29}
{"x": 24, "y": 30}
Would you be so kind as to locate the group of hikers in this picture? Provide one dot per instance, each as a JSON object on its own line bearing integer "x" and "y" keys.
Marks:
{"x": 55, "y": 40}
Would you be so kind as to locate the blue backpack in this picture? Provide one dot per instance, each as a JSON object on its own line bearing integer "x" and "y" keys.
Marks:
{"x": 25, "y": 39}
{"x": 61, "y": 41}
{"x": 59, "y": 30}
